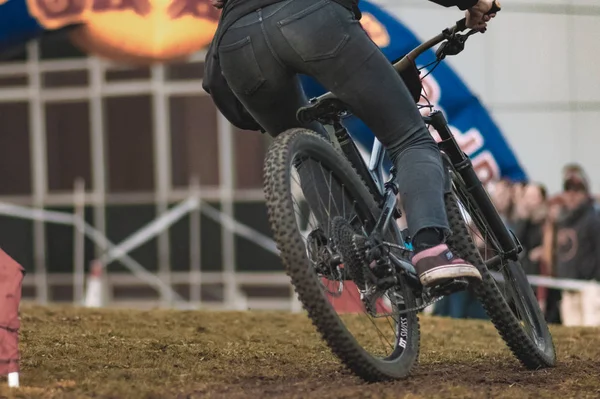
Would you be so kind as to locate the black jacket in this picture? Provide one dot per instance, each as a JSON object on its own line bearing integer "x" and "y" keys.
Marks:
{"x": 235, "y": 9}
{"x": 578, "y": 243}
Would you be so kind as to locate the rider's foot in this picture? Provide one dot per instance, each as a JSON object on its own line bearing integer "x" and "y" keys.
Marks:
{"x": 438, "y": 265}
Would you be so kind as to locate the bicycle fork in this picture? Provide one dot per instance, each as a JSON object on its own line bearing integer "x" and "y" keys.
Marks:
{"x": 462, "y": 164}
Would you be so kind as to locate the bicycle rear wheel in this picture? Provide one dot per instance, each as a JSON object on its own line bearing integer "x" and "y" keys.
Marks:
{"x": 376, "y": 345}
{"x": 505, "y": 291}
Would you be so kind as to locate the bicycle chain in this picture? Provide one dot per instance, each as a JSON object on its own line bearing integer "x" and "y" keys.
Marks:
{"x": 366, "y": 269}
{"x": 423, "y": 306}
{"x": 417, "y": 308}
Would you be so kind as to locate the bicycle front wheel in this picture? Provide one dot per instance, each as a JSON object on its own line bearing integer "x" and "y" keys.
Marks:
{"x": 505, "y": 292}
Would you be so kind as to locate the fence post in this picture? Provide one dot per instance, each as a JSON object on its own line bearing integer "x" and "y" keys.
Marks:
{"x": 227, "y": 188}
{"x": 195, "y": 245}
{"x": 79, "y": 242}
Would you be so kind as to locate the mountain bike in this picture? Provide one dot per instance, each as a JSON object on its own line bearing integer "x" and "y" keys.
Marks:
{"x": 347, "y": 248}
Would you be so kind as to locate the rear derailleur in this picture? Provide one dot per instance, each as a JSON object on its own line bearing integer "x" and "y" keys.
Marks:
{"x": 380, "y": 276}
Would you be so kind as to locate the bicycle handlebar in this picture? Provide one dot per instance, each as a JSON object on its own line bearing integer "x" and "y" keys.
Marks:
{"x": 459, "y": 27}
{"x": 408, "y": 59}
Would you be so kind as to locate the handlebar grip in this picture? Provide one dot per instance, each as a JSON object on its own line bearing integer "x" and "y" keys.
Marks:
{"x": 462, "y": 24}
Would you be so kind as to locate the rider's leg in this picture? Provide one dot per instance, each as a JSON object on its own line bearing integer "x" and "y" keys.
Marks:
{"x": 272, "y": 93}
{"x": 323, "y": 39}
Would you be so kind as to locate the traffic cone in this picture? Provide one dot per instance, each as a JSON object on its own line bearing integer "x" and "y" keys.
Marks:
{"x": 94, "y": 297}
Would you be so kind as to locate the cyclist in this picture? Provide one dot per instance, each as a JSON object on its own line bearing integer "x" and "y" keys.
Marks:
{"x": 269, "y": 42}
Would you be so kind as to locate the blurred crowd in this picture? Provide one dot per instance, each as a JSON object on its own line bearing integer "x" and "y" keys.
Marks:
{"x": 560, "y": 235}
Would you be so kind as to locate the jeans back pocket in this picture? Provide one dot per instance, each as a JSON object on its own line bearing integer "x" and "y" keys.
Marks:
{"x": 315, "y": 33}
{"x": 240, "y": 67}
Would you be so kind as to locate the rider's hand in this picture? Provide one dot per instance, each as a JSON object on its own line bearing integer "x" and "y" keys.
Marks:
{"x": 217, "y": 3}
{"x": 476, "y": 18}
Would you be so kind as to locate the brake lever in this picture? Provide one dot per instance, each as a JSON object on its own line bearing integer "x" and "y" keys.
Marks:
{"x": 453, "y": 45}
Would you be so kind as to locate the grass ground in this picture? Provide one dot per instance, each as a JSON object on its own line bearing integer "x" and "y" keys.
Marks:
{"x": 74, "y": 352}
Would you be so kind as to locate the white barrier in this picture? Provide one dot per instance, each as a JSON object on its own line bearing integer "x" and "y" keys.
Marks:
{"x": 580, "y": 305}
{"x": 553, "y": 282}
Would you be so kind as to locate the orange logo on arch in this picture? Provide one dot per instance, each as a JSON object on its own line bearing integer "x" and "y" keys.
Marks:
{"x": 132, "y": 30}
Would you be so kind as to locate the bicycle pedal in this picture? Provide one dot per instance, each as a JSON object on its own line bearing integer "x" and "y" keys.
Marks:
{"x": 449, "y": 287}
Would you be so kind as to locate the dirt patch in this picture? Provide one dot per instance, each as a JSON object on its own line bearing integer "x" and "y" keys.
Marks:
{"x": 75, "y": 352}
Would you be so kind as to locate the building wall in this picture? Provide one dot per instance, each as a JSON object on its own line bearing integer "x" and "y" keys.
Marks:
{"x": 536, "y": 70}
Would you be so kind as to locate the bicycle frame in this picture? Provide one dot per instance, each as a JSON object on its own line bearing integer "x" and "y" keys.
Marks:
{"x": 456, "y": 162}
{"x": 327, "y": 107}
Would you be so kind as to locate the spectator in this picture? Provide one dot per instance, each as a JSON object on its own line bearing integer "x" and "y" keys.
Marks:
{"x": 575, "y": 171}
{"x": 517, "y": 193}
{"x": 501, "y": 193}
{"x": 577, "y": 242}
{"x": 530, "y": 214}
{"x": 550, "y": 298}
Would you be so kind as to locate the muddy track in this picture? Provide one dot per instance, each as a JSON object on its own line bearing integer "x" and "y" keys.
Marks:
{"x": 73, "y": 353}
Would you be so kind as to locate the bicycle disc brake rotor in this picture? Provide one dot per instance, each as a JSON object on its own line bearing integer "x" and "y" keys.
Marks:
{"x": 324, "y": 261}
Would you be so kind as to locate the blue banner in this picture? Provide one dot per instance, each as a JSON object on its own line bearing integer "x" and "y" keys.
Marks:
{"x": 16, "y": 24}
{"x": 474, "y": 129}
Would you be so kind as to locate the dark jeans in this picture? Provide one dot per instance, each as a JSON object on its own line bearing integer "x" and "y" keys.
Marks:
{"x": 460, "y": 305}
{"x": 553, "y": 306}
{"x": 262, "y": 53}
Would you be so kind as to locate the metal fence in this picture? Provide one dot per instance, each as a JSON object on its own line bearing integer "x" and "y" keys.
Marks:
{"x": 139, "y": 276}
{"x": 97, "y": 196}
